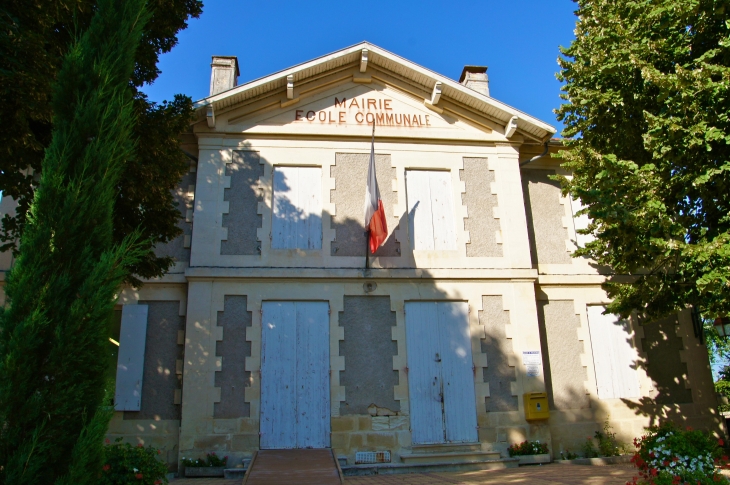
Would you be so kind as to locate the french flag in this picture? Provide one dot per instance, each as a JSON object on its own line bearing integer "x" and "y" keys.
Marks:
{"x": 375, "y": 219}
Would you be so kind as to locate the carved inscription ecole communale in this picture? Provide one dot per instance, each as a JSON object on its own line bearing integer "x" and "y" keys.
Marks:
{"x": 362, "y": 111}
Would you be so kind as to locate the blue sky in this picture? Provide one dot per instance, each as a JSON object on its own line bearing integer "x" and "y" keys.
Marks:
{"x": 518, "y": 40}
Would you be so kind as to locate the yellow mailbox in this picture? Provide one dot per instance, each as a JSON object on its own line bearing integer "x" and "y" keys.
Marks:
{"x": 536, "y": 406}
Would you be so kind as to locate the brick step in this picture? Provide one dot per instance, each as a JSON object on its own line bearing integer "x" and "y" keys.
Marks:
{"x": 395, "y": 468}
{"x": 451, "y": 457}
{"x": 446, "y": 448}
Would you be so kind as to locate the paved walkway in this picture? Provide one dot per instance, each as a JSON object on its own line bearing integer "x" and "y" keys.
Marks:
{"x": 533, "y": 475}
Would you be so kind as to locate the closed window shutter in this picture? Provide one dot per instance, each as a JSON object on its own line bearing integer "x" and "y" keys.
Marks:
{"x": 430, "y": 210}
{"x": 614, "y": 355}
{"x": 130, "y": 363}
{"x": 297, "y": 212}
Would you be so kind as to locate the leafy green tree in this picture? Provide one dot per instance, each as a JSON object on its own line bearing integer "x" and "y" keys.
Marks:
{"x": 61, "y": 291}
{"x": 647, "y": 85}
{"x": 722, "y": 387}
{"x": 34, "y": 37}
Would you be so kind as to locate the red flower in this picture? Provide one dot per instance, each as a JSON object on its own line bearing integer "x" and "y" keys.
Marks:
{"x": 654, "y": 472}
{"x": 106, "y": 467}
{"x": 138, "y": 476}
{"x": 721, "y": 442}
{"x": 140, "y": 445}
{"x": 158, "y": 482}
{"x": 107, "y": 441}
{"x": 666, "y": 463}
{"x": 159, "y": 452}
{"x": 689, "y": 428}
{"x": 724, "y": 458}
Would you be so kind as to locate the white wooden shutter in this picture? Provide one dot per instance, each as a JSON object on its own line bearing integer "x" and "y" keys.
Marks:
{"x": 614, "y": 355}
{"x": 418, "y": 193}
{"x": 297, "y": 212}
{"x": 430, "y": 210}
{"x": 444, "y": 236}
{"x": 580, "y": 222}
{"x": 312, "y": 371}
{"x": 130, "y": 362}
{"x": 424, "y": 374}
{"x": 460, "y": 412}
{"x": 278, "y": 375}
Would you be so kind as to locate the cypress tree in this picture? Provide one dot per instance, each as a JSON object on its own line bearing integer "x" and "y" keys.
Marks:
{"x": 54, "y": 331}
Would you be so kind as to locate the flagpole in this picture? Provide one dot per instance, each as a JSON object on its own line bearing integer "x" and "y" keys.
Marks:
{"x": 367, "y": 229}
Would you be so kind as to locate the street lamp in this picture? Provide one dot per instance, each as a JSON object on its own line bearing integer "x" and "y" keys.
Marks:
{"x": 722, "y": 325}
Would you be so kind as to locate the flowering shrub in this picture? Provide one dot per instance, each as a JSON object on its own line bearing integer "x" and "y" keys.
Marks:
{"x": 668, "y": 455}
{"x": 125, "y": 464}
{"x": 211, "y": 459}
{"x": 527, "y": 448}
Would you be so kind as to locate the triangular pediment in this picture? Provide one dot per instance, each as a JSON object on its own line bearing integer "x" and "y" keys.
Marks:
{"x": 351, "y": 109}
{"x": 397, "y": 93}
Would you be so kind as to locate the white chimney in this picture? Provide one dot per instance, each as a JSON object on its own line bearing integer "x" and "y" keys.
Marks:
{"x": 224, "y": 74}
{"x": 475, "y": 77}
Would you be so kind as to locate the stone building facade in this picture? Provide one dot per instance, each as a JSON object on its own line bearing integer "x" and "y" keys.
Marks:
{"x": 270, "y": 333}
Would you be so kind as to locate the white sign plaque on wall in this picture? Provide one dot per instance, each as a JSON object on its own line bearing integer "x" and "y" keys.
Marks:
{"x": 532, "y": 361}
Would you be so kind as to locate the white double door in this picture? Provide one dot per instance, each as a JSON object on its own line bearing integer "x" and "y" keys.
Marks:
{"x": 440, "y": 373}
{"x": 295, "y": 386}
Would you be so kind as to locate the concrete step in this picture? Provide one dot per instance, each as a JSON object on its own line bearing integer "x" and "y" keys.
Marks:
{"x": 446, "y": 448}
{"x": 450, "y": 457}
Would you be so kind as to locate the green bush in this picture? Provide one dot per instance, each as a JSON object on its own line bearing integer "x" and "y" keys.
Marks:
{"x": 568, "y": 455}
{"x": 527, "y": 448}
{"x": 210, "y": 460}
{"x": 668, "y": 455}
{"x": 126, "y": 464}
{"x": 589, "y": 448}
{"x": 607, "y": 444}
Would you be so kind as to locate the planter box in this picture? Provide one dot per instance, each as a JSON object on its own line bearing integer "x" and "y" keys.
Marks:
{"x": 204, "y": 471}
{"x": 602, "y": 461}
{"x": 533, "y": 459}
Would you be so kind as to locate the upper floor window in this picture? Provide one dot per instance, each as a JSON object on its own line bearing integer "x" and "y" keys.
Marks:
{"x": 297, "y": 212}
{"x": 430, "y": 210}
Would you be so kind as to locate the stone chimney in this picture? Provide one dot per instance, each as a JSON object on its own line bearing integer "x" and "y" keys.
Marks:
{"x": 224, "y": 74}
{"x": 475, "y": 77}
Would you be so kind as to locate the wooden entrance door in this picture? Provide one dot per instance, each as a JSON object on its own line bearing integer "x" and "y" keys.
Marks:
{"x": 295, "y": 361}
{"x": 440, "y": 375}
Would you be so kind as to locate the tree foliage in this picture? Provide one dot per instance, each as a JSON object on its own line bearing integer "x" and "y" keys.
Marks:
{"x": 647, "y": 85}
{"x": 62, "y": 289}
{"x": 34, "y": 37}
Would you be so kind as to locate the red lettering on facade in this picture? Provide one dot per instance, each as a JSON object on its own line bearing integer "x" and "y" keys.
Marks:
{"x": 360, "y": 119}
{"x": 354, "y": 103}
{"x": 298, "y": 115}
{"x": 314, "y": 116}
{"x": 340, "y": 104}
{"x": 342, "y": 117}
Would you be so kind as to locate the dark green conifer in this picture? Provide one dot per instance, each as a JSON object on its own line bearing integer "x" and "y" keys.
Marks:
{"x": 61, "y": 291}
